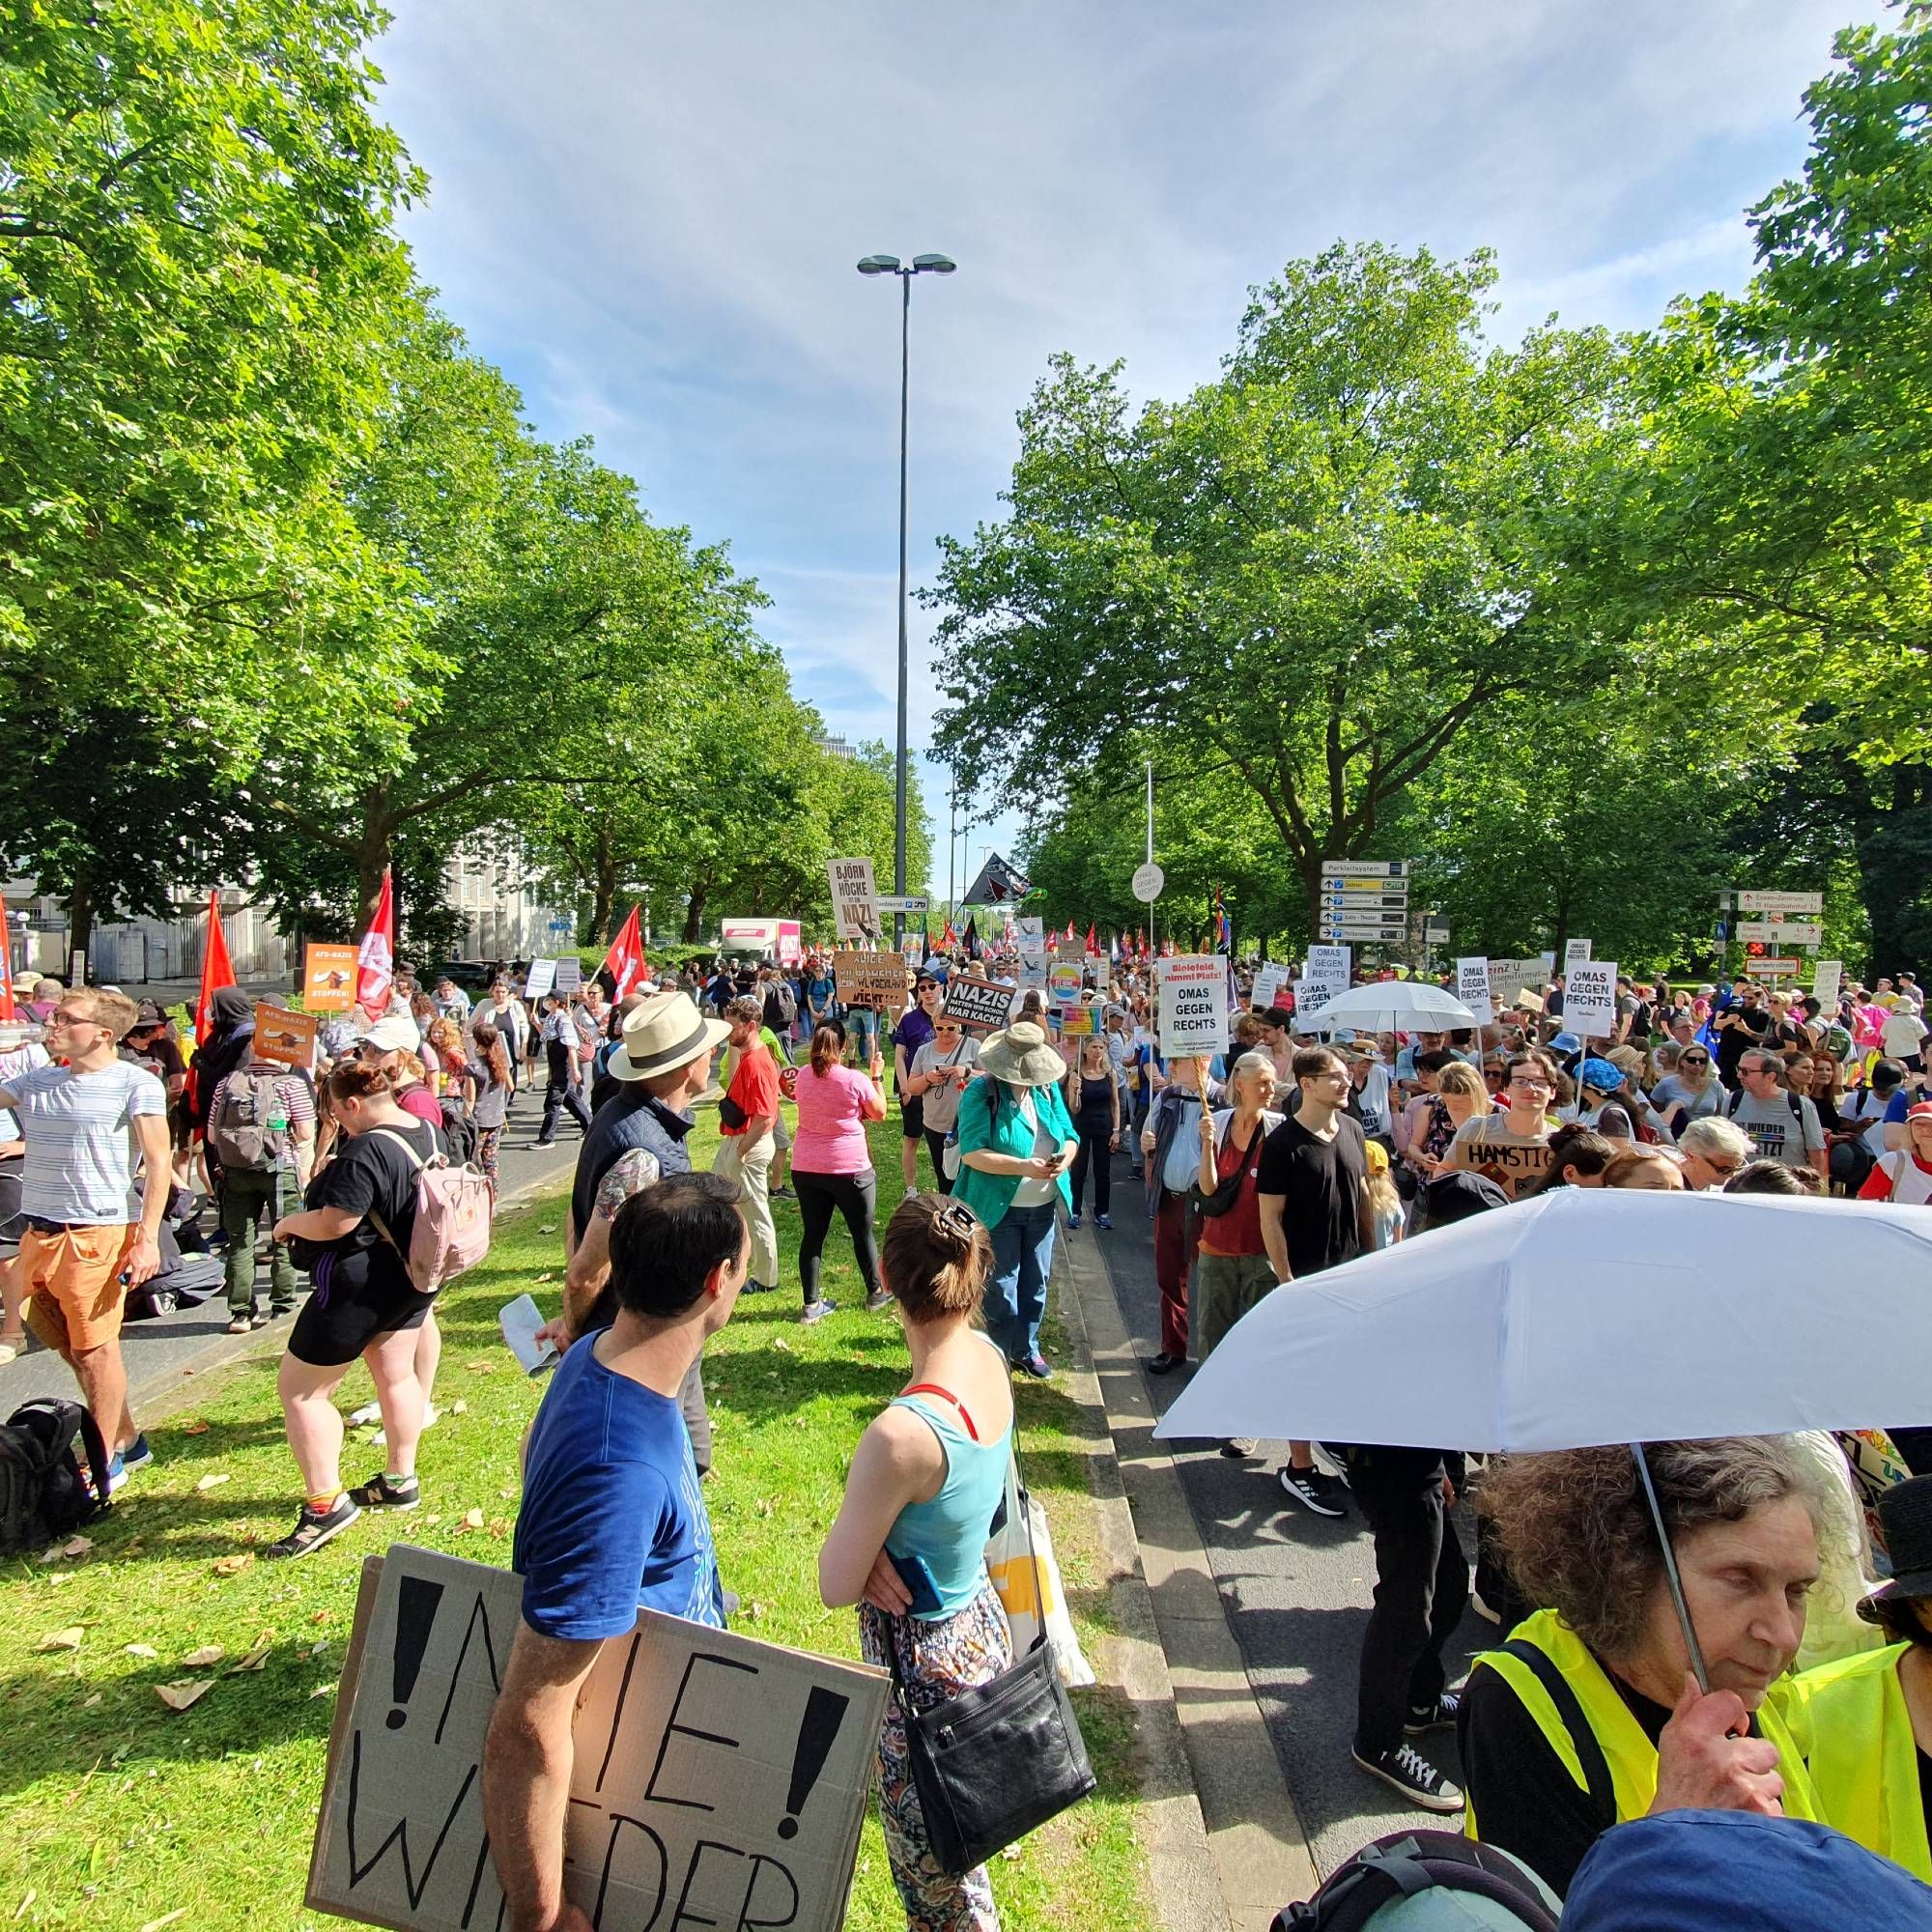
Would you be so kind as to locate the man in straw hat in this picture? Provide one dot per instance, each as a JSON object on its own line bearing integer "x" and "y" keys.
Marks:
{"x": 637, "y": 1138}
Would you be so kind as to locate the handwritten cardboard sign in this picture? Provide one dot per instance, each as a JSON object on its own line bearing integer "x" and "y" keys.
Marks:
{"x": 1193, "y": 1005}
{"x": 569, "y": 975}
{"x": 716, "y": 1780}
{"x": 285, "y": 1037}
{"x": 871, "y": 979}
{"x": 978, "y": 1005}
{"x": 1509, "y": 976}
{"x": 328, "y": 978}
{"x": 855, "y": 898}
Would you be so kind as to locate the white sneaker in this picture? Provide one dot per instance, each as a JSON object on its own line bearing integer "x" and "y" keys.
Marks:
{"x": 380, "y": 1439}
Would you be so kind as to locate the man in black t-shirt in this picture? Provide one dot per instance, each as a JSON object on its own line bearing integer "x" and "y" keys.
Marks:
{"x": 1738, "y": 1028}
{"x": 1313, "y": 1189}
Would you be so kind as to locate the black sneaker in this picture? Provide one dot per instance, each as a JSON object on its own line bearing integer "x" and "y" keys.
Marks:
{"x": 760, "y": 1288}
{"x": 314, "y": 1527}
{"x": 1409, "y": 1772}
{"x": 1317, "y": 1494}
{"x": 880, "y": 1297}
{"x": 380, "y": 1493}
{"x": 242, "y": 1322}
{"x": 816, "y": 1311}
{"x": 1448, "y": 1707}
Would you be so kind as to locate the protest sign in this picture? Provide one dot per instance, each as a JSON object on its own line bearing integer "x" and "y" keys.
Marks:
{"x": 539, "y": 980}
{"x": 1193, "y": 1005}
{"x": 328, "y": 978}
{"x": 1575, "y": 949}
{"x": 716, "y": 1780}
{"x": 871, "y": 979}
{"x": 1472, "y": 988}
{"x": 1827, "y": 982}
{"x": 1590, "y": 999}
{"x": 569, "y": 975}
{"x": 1267, "y": 989}
{"x": 1080, "y": 1019}
{"x": 855, "y": 908}
{"x": 1029, "y": 935}
{"x": 1062, "y": 980}
{"x": 287, "y": 1038}
{"x": 1325, "y": 977}
{"x": 978, "y": 1005}
{"x": 1509, "y": 976}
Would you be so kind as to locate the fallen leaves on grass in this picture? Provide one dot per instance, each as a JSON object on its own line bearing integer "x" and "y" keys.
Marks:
{"x": 323, "y": 1690}
{"x": 234, "y": 1565}
{"x": 499, "y": 1527}
{"x": 62, "y": 1640}
{"x": 184, "y": 1691}
{"x": 79, "y": 1547}
{"x": 20, "y": 1909}
{"x": 459, "y": 1407}
{"x": 547, "y": 1228}
{"x": 200, "y": 1660}
{"x": 140, "y": 1650}
{"x": 167, "y": 1918}
{"x": 483, "y": 1368}
{"x": 214, "y": 1482}
{"x": 196, "y": 1428}
{"x": 256, "y": 1658}
{"x": 472, "y": 1520}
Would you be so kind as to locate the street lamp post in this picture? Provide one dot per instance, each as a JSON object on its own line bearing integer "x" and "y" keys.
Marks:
{"x": 890, "y": 265}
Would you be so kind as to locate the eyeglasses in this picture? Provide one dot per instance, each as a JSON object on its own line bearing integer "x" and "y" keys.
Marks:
{"x": 1723, "y": 1169}
{"x": 67, "y": 1017}
{"x": 1694, "y": 1060}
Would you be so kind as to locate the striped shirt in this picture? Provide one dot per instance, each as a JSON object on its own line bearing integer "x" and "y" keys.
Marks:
{"x": 81, "y": 1147}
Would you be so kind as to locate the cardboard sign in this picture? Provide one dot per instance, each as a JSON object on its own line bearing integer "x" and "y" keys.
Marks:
{"x": 855, "y": 908}
{"x": 1080, "y": 1019}
{"x": 1325, "y": 978}
{"x": 1193, "y": 1005}
{"x": 716, "y": 1780}
{"x": 1827, "y": 982}
{"x": 1590, "y": 999}
{"x": 978, "y": 1005}
{"x": 285, "y": 1037}
{"x": 328, "y": 978}
{"x": 1267, "y": 989}
{"x": 871, "y": 979}
{"x": 1575, "y": 949}
{"x": 1062, "y": 980}
{"x": 569, "y": 975}
{"x": 539, "y": 980}
{"x": 1029, "y": 935}
{"x": 1472, "y": 988}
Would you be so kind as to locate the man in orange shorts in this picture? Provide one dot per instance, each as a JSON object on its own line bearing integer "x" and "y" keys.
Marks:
{"x": 82, "y": 1250}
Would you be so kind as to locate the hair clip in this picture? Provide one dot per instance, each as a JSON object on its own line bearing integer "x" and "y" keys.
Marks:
{"x": 957, "y": 1218}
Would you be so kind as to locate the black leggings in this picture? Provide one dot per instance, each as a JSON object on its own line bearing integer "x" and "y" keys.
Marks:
{"x": 1093, "y": 1151}
{"x": 855, "y": 1196}
{"x": 935, "y": 1145}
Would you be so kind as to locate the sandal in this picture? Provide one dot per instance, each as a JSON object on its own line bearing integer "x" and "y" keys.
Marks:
{"x": 13, "y": 1347}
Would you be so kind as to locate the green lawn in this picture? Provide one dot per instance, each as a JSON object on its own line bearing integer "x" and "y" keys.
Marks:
{"x": 118, "y": 1813}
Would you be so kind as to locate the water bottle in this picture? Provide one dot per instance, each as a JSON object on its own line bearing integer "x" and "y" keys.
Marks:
{"x": 279, "y": 1121}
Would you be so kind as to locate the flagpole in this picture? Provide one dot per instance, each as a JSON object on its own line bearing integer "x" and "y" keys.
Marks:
{"x": 1154, "y": 923}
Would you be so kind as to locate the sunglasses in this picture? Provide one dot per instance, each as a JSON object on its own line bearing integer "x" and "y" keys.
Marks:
{"x": 943, "y": 1027}
{"x": 1724, "y": 1169}
{"x": 1694, "y": 1060}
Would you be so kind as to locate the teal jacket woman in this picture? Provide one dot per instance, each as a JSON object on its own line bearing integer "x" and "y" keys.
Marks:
{"x": 1016, "y": 1142}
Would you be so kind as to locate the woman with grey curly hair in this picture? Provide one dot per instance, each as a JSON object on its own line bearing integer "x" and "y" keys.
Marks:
{"x": 1590, "y": 1716}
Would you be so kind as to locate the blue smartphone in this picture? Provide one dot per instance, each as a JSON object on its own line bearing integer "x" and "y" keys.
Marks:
{"x": 916, "y": 1574}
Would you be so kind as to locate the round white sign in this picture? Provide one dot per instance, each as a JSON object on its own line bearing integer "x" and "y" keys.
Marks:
{"x": 1149, "y": 879}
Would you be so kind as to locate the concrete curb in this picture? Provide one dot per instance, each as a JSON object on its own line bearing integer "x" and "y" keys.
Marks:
{"x": 1258, "y": 1852}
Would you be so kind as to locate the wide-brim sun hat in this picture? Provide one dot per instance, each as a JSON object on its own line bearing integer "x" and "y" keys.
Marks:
{"x": 1023, "y": 1056}
{"x": 1905, "y": 1515}
{"x": 664, "y": 1034}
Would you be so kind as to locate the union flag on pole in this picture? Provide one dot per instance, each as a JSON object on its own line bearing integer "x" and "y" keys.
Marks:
{"x": 7, "y": 1010}
{"x": 216, "y": 970}
{"x": 625, "y": 961}
{"x": 376, "y": 956}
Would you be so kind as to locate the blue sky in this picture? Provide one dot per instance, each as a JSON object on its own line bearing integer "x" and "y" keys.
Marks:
{"x": 649, "y": 216}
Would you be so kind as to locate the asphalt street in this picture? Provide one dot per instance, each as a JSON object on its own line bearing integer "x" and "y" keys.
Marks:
{"x": 1295, "y": 1588}
{"x": 161, "y": 1353}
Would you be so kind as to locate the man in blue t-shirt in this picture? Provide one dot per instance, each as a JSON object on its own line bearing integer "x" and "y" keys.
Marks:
{"x": 612, "y": 1517}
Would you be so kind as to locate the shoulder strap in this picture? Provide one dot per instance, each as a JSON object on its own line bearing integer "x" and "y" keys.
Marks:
{"x": 1583, "y": 1739}
{"x": 944, "y": 1394}
{"x": 401, "y": 1141}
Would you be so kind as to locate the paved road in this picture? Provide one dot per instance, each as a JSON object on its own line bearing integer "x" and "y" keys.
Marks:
{"x": 159, "y": 1353}
{"x": 1295, "y": 1589}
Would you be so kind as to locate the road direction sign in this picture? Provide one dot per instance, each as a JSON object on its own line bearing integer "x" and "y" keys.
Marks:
{"x": 1436, "y": 935}
{"x": 1776, "y": 968}
{"x": 1364, "y": 868}
{"x": 1396, "y": 929}
{"x": 1779, "y": 932}
{"x": 1811, "y": 902}
{"x": 1148, "y": 881}
{"x": 903, "y": 902}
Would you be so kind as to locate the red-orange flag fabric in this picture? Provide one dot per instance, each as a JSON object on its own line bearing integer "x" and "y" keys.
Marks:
{"x": 625, "y": 961}
{"x": 215, "y": 970}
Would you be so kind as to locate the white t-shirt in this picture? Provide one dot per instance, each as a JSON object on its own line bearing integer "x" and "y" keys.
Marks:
{"x": 1902, "y": 1035}
{"x": 22, "y": 1058}
{"x": 80, "y": 1149}
{"x": 1910, "y": 1184}
{"x": 1035, "y": 1190}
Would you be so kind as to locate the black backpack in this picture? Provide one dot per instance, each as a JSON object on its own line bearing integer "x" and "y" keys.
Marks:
{"x": 1404, "y": 1864}
{"x": 43, "y": 1494}
{"x": 460, "y": 1137}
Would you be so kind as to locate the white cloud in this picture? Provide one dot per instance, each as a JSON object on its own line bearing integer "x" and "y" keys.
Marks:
{"x": 649, "y": 215}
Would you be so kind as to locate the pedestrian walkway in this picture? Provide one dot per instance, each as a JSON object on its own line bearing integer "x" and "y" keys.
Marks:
{"x": 1294, "y": 1589}
{"x": 162, "y": 1353}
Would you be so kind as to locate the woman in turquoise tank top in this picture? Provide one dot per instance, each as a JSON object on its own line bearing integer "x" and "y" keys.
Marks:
{"x": 909, "y": 1545}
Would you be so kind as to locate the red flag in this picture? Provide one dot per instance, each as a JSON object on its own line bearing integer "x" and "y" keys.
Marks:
{"x": 1140, "y": 943}
{"x": 949, "y": 940}
{"x": 1092, "y": 942}
{"x": 625, "y": 961}
{"x": 7, "y": 1010}
{"x": 215, "y": 970}
{"x": 376, "y": 956}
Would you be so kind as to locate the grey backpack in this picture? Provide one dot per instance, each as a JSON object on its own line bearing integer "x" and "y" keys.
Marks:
{"x": 240, "y": 1131}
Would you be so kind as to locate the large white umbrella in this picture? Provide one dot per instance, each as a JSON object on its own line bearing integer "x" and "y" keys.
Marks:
{"x": 1399, "y": 1005}
{"x": 1589, "y": 1316}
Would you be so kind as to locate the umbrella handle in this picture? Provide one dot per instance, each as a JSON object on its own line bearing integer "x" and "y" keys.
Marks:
{"x": 1671, "y": 1576}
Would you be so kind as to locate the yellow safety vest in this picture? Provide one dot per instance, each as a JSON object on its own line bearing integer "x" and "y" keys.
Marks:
{"x": 1628, "y": 1754}
{"x": 1850, "y": 1719}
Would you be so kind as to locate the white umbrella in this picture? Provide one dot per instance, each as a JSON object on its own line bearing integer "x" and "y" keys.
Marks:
{"x": 1593, "y": 1316}
{"x": 1589, "y": 1316}
{"x": 1405, "y": 1005}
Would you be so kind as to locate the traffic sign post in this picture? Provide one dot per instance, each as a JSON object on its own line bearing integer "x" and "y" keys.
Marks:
{"x": 1365, "y": 868}
{"x": 1781, "y": 903}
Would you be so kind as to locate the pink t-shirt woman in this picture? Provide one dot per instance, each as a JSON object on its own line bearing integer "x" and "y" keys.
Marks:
{"x": 833, "y": 1109}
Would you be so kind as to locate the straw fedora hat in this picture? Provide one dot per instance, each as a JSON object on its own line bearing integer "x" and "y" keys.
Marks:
{"x": 1023, "y": 1057}
{"x": 667, "y": 1031}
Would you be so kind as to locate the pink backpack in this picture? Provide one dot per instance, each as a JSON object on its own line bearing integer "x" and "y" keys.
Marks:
{"x": 453, "y": 1230}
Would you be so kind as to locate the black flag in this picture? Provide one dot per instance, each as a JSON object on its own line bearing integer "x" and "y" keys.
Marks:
{"x": 973, "y": 947}
{"x": 997, "y": 884}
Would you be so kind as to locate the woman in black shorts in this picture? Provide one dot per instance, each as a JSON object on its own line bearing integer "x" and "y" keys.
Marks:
{"x": 363, "y": 1304}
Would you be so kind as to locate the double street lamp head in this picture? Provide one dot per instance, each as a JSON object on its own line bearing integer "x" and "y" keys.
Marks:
{"x": 921, "y": 264}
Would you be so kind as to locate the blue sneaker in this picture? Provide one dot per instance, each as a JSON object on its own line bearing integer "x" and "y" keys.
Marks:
{"x": 1074, "y": 1220}
{"x": 117, "y": 1475}
{"x": 1103, "y": 1221}
{"x": 137, "y": 1455}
